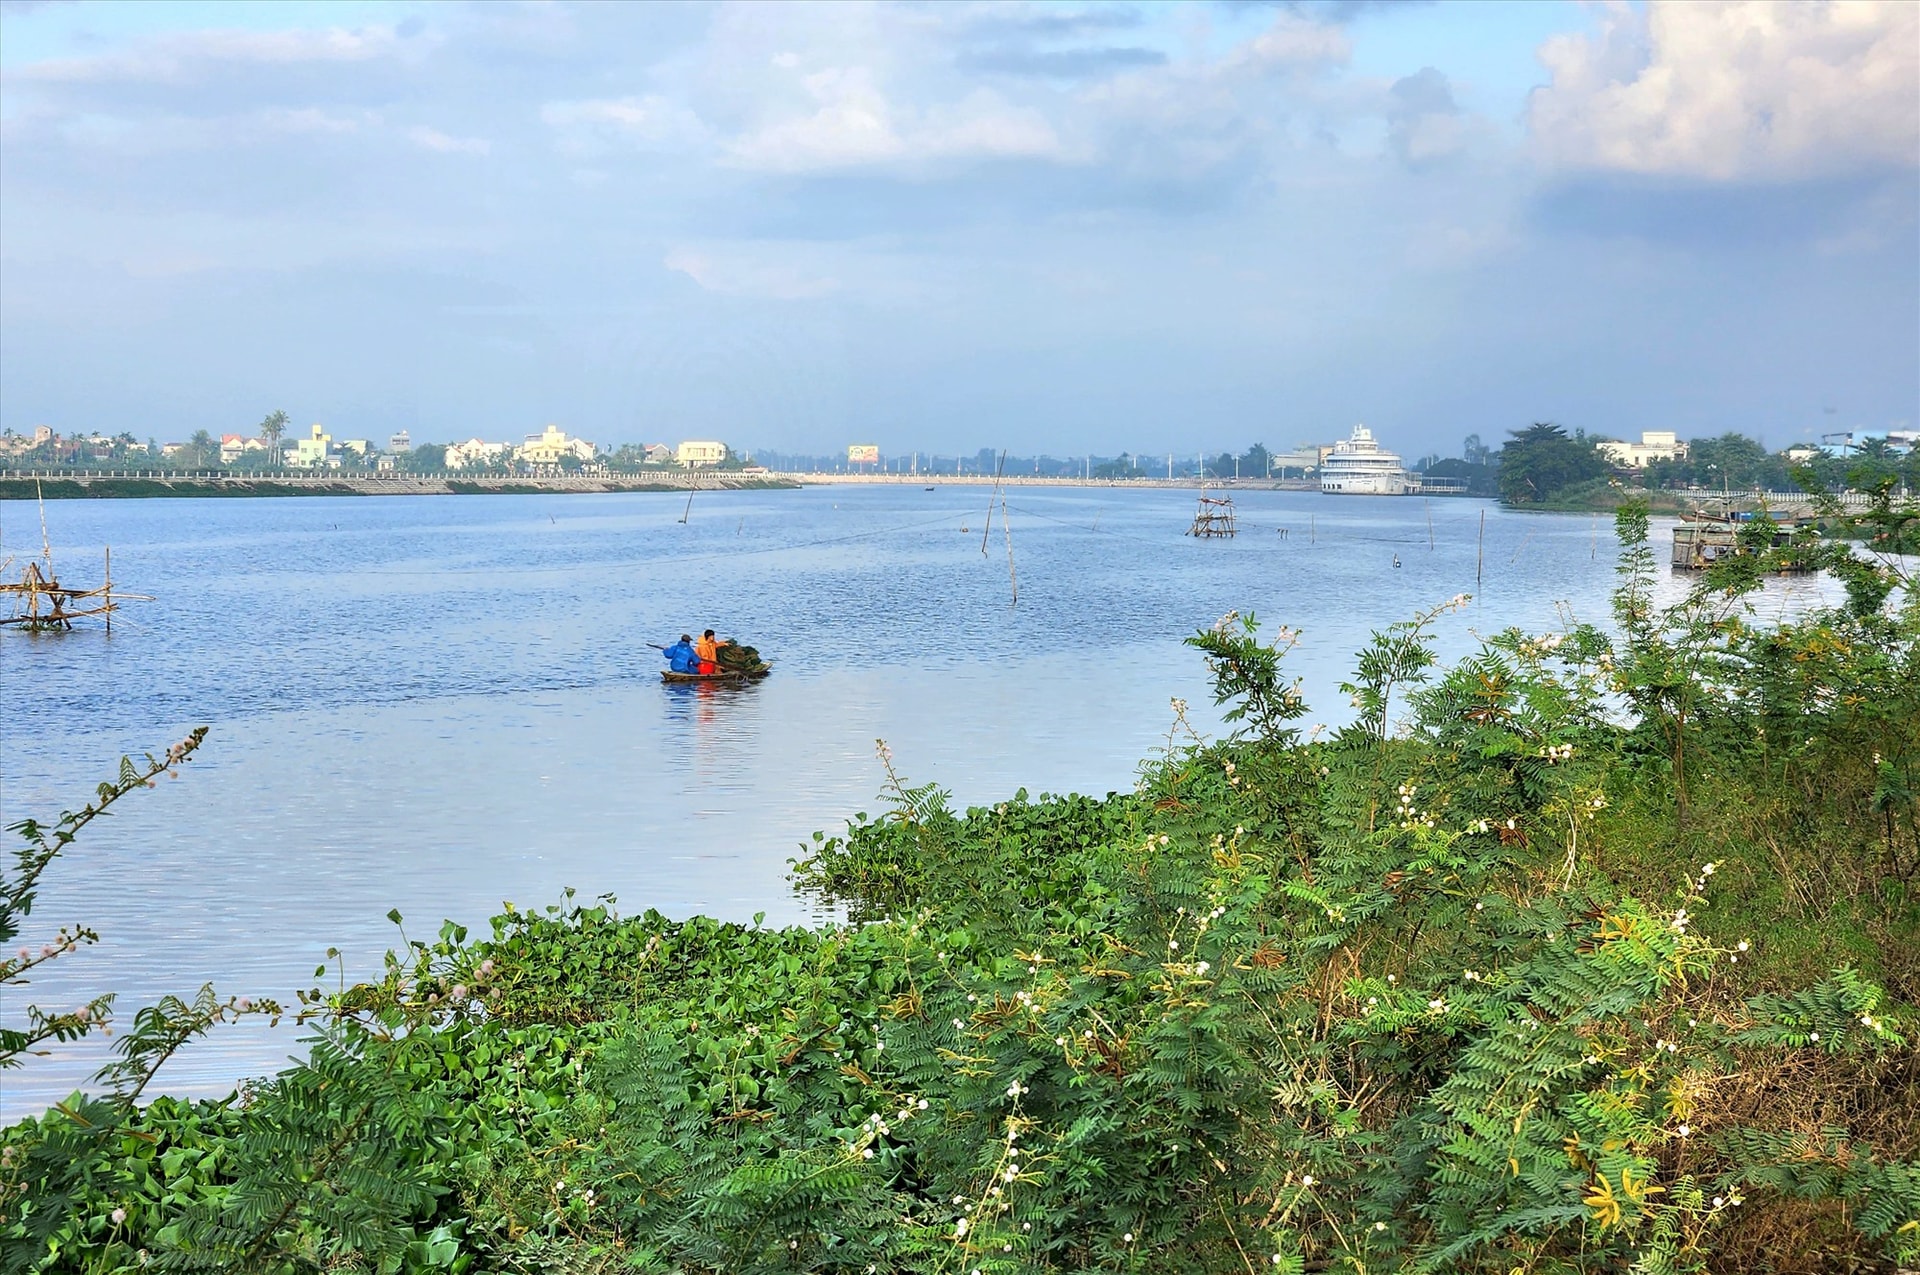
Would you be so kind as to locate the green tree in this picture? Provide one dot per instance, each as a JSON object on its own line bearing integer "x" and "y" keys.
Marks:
{"x": 427, "y": 458}
{"x": 1540, "y": 461}
{"x": 273, "y": 429}
{"x": 203, "y": 451}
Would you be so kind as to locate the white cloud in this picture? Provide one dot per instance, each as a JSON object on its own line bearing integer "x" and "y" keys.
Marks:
{"x": 1296, "y": 41}
{"x": 751, "y": 270}
{"x": 1735, "y": 90}
{"x": 184, "y": 56}
{"x": 432, "y": 139}
{"x": 853, "y": 124}
{"x": 650, "y": 120}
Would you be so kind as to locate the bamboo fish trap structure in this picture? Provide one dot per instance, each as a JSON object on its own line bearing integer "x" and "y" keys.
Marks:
{"x": 40, "y": 603}
{"x": 1214, "y": 517}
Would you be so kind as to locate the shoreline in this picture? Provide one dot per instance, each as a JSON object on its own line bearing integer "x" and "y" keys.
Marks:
{"x": 137, "y": 487}
{"x": 83, "y": 485}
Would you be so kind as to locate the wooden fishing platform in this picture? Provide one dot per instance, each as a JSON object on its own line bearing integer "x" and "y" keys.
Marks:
{"x": 1214, "y": 517}
{"x": 41, "y": 604}
{"x": 1707, "y": 536}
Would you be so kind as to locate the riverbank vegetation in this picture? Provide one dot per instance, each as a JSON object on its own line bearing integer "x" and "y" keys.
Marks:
{"x": 1545, "y": 467}
{"x": 1593, "y": 952}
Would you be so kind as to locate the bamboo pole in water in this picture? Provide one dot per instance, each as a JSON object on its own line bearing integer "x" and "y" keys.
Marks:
{"x": 1480, "y": 558}
{"x": 1007, "y": 528}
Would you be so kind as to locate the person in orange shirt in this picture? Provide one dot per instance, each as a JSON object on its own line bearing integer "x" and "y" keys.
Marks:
{"x": 707, "y": 651}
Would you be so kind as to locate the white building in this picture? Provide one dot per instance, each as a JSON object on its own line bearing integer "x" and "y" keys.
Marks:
{"x": 474, "y": 452}
{"x": 693, "y": 454}
{"x": 1654, "y": 444}
{"x": 234, "y": 446}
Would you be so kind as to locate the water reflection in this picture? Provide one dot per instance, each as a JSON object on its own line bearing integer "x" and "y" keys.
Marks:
{"x": 438, "y": 704}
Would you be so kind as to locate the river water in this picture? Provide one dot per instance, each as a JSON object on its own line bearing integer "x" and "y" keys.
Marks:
{"x": 439, "y": 703}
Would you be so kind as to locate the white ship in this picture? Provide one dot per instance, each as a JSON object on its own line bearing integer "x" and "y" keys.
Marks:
{"x": 1358, "y": 467}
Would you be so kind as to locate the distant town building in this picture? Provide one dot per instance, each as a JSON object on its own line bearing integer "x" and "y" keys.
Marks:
{"x": 1304, "y": 457}
{"x": 1654, "y": 444}
{"x": 1850, "y": 442}
{"x": 235, "y": 446}
{"x": 657, "y": 454}
{"x": 692, "y": 454}
{"x": 551, "y": 444}
{"x": 358, "y": 446}
{"x": 400, "y": 442}
{"x": 315, "y": 451}
{"x": 474, "y": 452}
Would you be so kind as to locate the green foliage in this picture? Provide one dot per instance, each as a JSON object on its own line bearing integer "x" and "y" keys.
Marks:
{"x": 1539, "y": 462}
{"x": 1587, "y": 953}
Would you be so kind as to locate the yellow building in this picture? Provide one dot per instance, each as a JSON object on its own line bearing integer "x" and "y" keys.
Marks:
{"x": 552, "y": 443}
{"x": 1654, "y": 444}
{"x": 693, "y": 454}
{"x": 314, "y": 452}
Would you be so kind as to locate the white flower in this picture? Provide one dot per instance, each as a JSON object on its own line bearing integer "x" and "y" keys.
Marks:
{"x": 1306, "y": 1179}
{"x": 1685, "y": 1131}
{"x": 1127, "y": 1238}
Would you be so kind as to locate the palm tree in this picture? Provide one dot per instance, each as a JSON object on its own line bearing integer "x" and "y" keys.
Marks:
{"x": 204, "y": 448}
{"x": 272, "y": 429}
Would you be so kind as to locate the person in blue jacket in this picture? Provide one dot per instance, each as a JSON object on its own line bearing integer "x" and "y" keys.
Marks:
{"x": 680, "y": 657}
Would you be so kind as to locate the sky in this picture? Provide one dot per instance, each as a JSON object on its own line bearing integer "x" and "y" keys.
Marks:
{"x": 1072, "y": 228}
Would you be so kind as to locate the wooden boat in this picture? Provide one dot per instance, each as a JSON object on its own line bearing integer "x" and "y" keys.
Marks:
{"x": 731, "y": 676}
{"x": 1708, "y": 535}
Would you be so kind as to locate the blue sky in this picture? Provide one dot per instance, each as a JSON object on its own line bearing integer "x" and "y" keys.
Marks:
{"x": 940, "y": 227}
